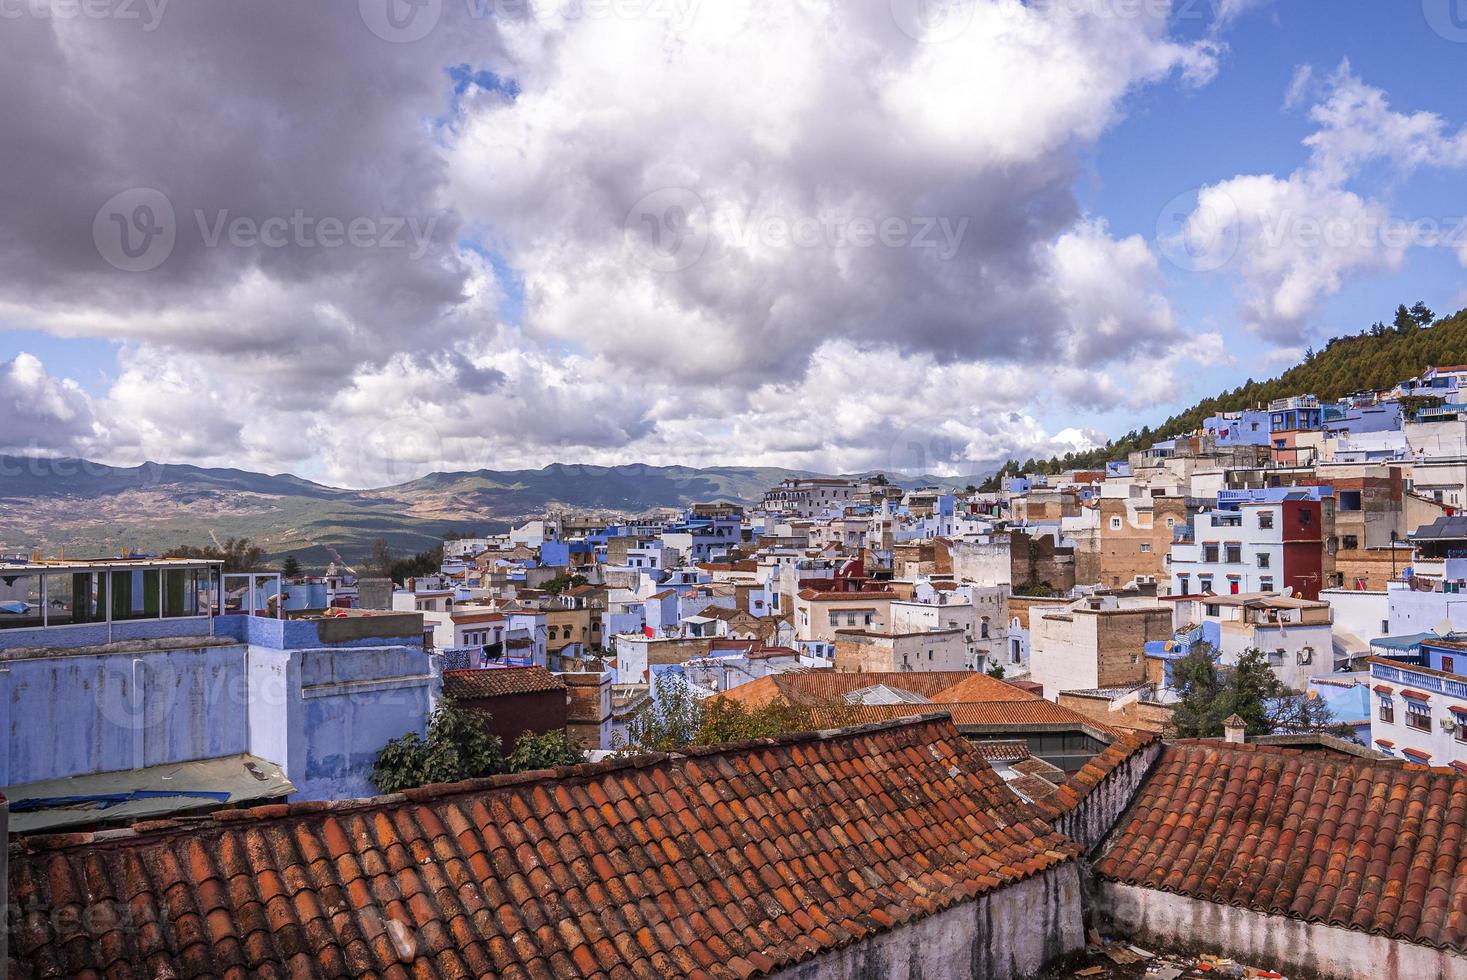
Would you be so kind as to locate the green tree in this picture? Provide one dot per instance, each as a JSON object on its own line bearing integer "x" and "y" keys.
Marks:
{"x": 291, "y": 567}
{"x": 459, "y": 746}
{"x": 533, "y": 752}
{"x": 238, "y": 554}
{"x": 380, "y": 559}
{"x": 670, "y": 722}
{"x": 995, "y": 670}
{"x": 1250, "y": 689}
{"x": 561, "y": 583}
{"x": 678, "y": 719}
{"x": 1422, "y": 314}
{"x": 1404, "y": 321}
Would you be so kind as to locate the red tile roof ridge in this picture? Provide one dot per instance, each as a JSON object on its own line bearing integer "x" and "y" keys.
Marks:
{"x": 1074, "y": 790}
{"x": 146, "y": 828}
{"x": 1289, "y": 750}
{"x": 942, "y": 831}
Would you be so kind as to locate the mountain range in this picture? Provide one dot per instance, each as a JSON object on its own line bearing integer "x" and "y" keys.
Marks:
{"x": 91, "y": 509}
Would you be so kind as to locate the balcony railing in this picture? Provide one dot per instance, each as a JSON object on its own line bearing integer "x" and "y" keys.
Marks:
{"x": 1428, "y": 682}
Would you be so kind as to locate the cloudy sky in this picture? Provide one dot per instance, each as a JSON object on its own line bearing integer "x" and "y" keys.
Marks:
{"x": 360, "y": 240}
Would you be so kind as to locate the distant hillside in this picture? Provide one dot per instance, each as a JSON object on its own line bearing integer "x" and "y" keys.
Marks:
{"x": 91, "y": 509}
{"x": 1380, "y": 358}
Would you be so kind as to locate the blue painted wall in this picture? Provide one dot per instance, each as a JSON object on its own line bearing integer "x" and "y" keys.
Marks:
{"x": 322, "y": 710}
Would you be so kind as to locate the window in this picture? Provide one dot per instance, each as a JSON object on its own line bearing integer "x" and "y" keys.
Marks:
{"x": 983, "y": 629}
{"x": 1418, "y": 715}
{"x": 1209, "y": 553}
{"x": 1387, "y": 709}
{"x": 1265, "y": 519}
{"x": 1212, "y": 609}
{"x": 929, "y": 654}
{"x": 1171, "y": 522}
{"x": 1305, "y": 518}
{"x": 1265, "y": 585}
{"x": 1263, "y": 559}
{"x": 1449, "y": 665}
{"x": 1205, "y": 585}
{"x": 1235, "y": 554}
{"x": 1350, "y": 500}
{"x": 1115, "y": 523}
{"x": 1349, "y": 542}
{"x": 1146, "y": 549}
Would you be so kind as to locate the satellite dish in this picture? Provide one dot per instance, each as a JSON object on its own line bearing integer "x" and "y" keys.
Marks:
{"x": 1444, "y": 628}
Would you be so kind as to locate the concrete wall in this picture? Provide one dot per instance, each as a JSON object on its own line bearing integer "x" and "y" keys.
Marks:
{"x": 1164, "y": 920}
{"x": 983, "y": 562}
{"x": 96, "y": 634}
{"x": 1010, "y": 933}
{"x": 350, "y": 704}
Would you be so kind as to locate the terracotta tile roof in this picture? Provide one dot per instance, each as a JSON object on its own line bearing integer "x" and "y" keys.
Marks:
{"x": 1373, "y": 846}
{"x": 982, "y": 714}
{"x": 825, "y": 691}
{"x": 1033, "y": 788}
{"x": 813, "y": 686}
{"x": 1006, "y": 751}
{"x": 494, "y": 682}
{"x": 1073, "y": 791}
{"x": 724, "y": 862}
{"x": 815, "y": 595}
{"x": 981, "y": 687}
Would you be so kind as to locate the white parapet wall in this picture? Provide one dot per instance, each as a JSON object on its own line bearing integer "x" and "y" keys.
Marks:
{"x": 1277, "y": 942}
{"x": 1005, "y": 934}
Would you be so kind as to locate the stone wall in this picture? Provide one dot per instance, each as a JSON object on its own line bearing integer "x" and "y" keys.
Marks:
{"x": 1137, "y": 716}
{"x": 1122, "y": 635}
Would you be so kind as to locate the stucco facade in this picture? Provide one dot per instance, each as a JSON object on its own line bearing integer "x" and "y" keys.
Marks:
{"x": 1094, "y": 643}
{"x": 863, "y": 652}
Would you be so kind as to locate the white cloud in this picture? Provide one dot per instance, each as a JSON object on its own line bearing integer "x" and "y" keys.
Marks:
{"x": 881, "y": 235}
{"x": 1294, "y": 241}
{"x": 42, "y": 412}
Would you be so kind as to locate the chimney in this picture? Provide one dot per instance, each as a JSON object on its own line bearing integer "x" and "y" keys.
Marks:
{"x": 1234, "y": 729}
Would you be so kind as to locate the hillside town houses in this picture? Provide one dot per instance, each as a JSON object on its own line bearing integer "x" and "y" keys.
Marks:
{"x": 1008, "y": 657}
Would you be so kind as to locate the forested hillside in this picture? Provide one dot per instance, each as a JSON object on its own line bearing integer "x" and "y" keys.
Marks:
{"x": 1381, "y": 357}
